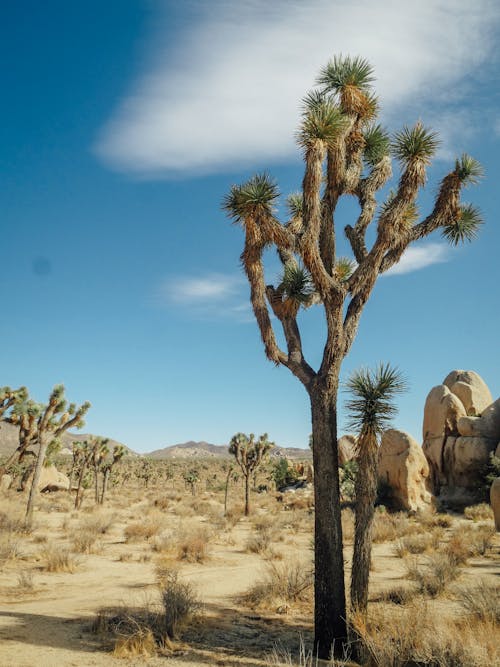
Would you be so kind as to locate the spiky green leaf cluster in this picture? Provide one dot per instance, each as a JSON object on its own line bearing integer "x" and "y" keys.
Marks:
{"x": 324, "y": 122}
{"x": 371, "y": 406}
{"x": 296, "y": 283}
{"x": 257, "y": 195}
{"x": 344, "y": 268}
{"x": 377, "y": 144}
{"x": 415, "y": 143}
{"x": 466, "y": 228}
{"x": 469, "y": 170}
{"x": 344, "y": 71}
{"x": 294, "y": 203}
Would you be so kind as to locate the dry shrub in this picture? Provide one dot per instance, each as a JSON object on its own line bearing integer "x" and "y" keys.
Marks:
{"x": 234, "y": 514}
{"x": 180, "y": 603}
{"x": 481, "y": 512}
{"x": 143, "y": 530}
{"x": 288, "y": 581}
{"x": 59, "y": 560}
{"x": 86, "y": 542}
{"x": 25, "y": 582}
{"x": 418, "y": 544}
{"x": 162, "y": 503}
{"x": 192, "y": 544}
{"x": 388, "y": 527}
{"x": 99, "y": 523}
{"x": 282, "y": 657}
{"x": 481, "y": 600}
{"x": 414, "y": 636}
{"x": 434, "y": 575}
{"x": 133, "y": 632}
{"x": 9, "y": 548}
{"x": 469, "y": 541}
{"x": 11, "y": 520}
{"x": 438, "y": 520}
{"x": 398, "y": 595}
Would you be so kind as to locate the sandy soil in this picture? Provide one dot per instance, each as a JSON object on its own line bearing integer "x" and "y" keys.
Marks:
{"x": 50, "y": 626}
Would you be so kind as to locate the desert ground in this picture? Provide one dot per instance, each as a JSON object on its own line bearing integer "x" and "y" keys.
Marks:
{"x": 86, "y": 587}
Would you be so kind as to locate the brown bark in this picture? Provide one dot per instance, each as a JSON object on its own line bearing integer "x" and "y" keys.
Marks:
{"x": 36, "y": 480}
{"x": 330, "y": 632}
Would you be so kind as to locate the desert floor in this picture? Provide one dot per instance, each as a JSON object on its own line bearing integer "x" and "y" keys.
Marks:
{"x": 46, "y": 617}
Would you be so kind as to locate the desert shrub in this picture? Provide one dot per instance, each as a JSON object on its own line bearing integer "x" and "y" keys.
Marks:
{"x": 98, "y": 523}
{"x": 162, "y": 503}
{"x": 9, "y": 548}
{"x": 480, "y": 512}
{"x": 288, "y": 581}
{"x": 282, "y": 657}
{"x": 143, "y": 530}
{"x": 59, "y": 560}
{"x": 86, "y": 542}
{"x": 192, "y": 544}
{"x": 398, "y": 595}
{"x": 234, "y": 514}
{"x": 481, "y": 600}
{"x": 434, "y": 575}
{"x": 417, "y": 544}
{"x": 347, "y": 478}
{"x": 415, "y": 636}
{"x": 25, "y": 582}
{"x": 388, "y": 527}
{"x": 438, "y": 520}
{"x": 283, "y": 474}
{"x": 131, "y": 631}
{"x": 11, "y": 522}
{"x": 468, "y": 542}
{"x": 179, "y": 602}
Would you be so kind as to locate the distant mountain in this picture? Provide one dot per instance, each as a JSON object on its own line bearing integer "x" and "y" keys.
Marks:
{"x": 9, "y": 440}
{"x": 191, "y": 449}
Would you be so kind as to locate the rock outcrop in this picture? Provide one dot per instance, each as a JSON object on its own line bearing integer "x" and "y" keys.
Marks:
{"x": 461, "y": 429}
{"x": 347, "y": 448}
{"x": 405, "y": 470}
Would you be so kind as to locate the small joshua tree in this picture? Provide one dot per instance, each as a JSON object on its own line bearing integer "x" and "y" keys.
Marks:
{"x": 370, "y": 408}
{"x": 119, "y": 452}
{"x": 249, "y": 454}
{"x": 191, "y": 479}
{"x": 54, "y": 419}
{"x": 346, "y": 154}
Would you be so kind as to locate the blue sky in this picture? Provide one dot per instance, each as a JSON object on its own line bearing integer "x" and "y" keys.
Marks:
{"x": 124, "y": 123}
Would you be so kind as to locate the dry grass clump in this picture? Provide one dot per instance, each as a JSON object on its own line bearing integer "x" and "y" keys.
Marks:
{"x": 481, "y": 512}
{"x": 388, "y": 527}
{"x": 234, "y": 514}
{"x": 192, "y": 544}
{"x": 282, "y": 657}
{"x": 415, "y": 636}
{"x": 144, "y": 530}
{"x": 86, "y": 542}
{"x": 162, "y": 503}
{"x": 11, "y": 519}
{"x": 418, "y": 544}
{"x": 481, "y": 600}
{"x": 149, "y": 629}
{"x": 58, "y": 559}
{"x": 99, "y": 523}
{"x": 9, "y": 548}
{"x": 398, "y": 595}
{"x": 264, "y": 534}
{"x": 285, "y": 582}
{"x": 25, "y": 582}
{"x": 435, "y": 574}
{"x": 438, "y": 520}
{"x": 469, "y": 541}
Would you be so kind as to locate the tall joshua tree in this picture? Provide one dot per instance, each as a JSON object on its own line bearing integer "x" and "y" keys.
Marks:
{"x": 249, "y": 454}
{"x": 346, "y": 153}
{"x": 370, "y": 408}
{"x": 54, "y": 419}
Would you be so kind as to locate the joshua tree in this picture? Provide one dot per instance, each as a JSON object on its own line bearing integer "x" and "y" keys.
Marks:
{"x": 119, "y": 452}
{"x": 82, "y": 457}
{"x": 54, "y": 418}
{"x": 370, "y": 408}
{"x": 100, "y": 451}
{"x": 15, "y": 408}
{"x": 346, "y": 154}
{"x": 191, "y": 479}
{"x": 249, "y": 454}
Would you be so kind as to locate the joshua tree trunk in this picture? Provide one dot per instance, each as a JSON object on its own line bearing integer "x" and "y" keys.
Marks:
{"x": 104, "y": 485}
{"x": 96, "y": 483}
{"x": 366, "y": 494}
{"x": 247, "y": 495}
{"x": 329, "y": 588}
{"x": 36, "y": 480}
{"x": 79, "y": 490}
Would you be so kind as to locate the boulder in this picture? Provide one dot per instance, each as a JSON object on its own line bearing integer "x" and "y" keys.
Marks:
{"x": 53, "y": 480}
{"x": 5, "y": 482}
{"x": 464, "y": 461}
{"x": 404, "y": 468}
{"x": 471, "y": 389}
{"x": 485, "y": 426}
{"x": 441, "y": 413}
{"x": 495, "y": 502}
{"x": 347, "y": 448}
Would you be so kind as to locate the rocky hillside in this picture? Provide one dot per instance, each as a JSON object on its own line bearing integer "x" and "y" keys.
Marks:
{"x": 188, "y": 450}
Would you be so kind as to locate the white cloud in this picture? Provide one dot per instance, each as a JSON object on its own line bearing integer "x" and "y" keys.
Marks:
{"x": 227, "y": 92}
{"x": 420, "y": 257}
{"x": 204, "y": 289}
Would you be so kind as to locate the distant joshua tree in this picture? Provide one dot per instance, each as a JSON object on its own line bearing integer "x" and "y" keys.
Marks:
{"x": 107, "y": 466}
{"x": 249, "y": 454}
{"x": 346, "y": 154}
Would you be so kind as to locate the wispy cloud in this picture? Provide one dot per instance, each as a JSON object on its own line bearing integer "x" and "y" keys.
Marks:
{"x": 226, "y": 93}
{"x": 420, "y": 257}
{"x": 213, "y": 295}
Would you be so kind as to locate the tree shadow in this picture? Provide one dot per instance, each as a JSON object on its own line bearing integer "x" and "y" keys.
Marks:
{"x": 223, "y": 635}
